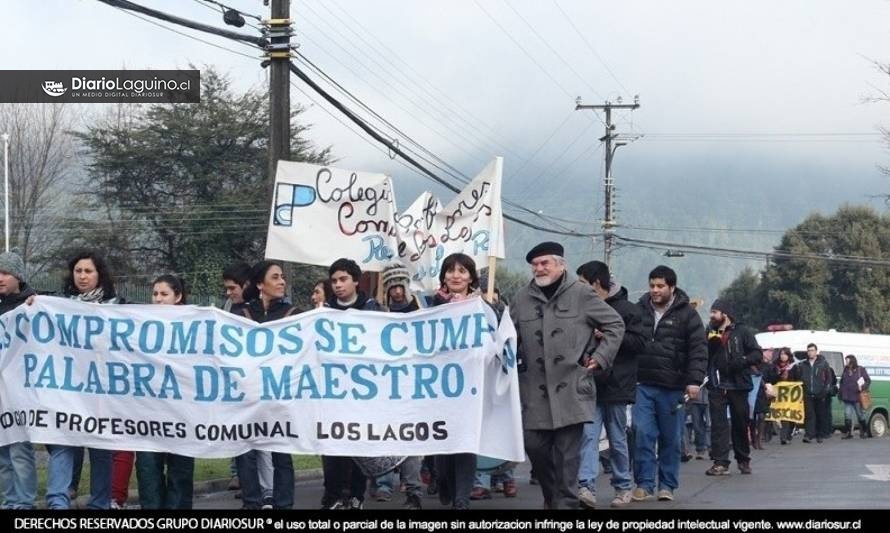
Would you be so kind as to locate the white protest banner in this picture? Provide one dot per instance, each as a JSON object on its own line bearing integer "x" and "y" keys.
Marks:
{"x": 320, "y": 214}
{"x": 200, "y": 382}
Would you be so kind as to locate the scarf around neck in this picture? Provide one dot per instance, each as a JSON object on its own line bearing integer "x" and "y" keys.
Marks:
{"x": 95, "y": 295}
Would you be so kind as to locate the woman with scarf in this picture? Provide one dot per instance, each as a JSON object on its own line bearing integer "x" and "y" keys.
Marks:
{"x": 88, "y": 279}
{"x": 165, "y": 480}
{"x": 458, "y": 281}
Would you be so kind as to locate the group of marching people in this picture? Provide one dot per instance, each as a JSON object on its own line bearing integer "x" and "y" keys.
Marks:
{"x": 585, "y": 354}
{"x": 265, "y": 479}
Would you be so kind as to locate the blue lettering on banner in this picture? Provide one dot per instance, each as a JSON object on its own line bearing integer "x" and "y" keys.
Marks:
{"x": 377, "y": 249}
{"x": 480, "y": 241}
{"x": 386, "y": 338}
{"x": 112, "y": 377}
{"x": 182, "y": 342}
{"x": 128, "y": 325}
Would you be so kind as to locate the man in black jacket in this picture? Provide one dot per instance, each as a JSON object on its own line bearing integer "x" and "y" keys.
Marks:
{"x": 344, "y": 482}
{"x": 675, "y": 360}
{"x": 816, "y": 375}
{"x": 732, "y": 350}
{"x": 616, "y": 388}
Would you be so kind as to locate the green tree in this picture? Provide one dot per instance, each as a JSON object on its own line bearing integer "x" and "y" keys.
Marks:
{"x": 818, "y": 293}
{"x": 185, "y": 185}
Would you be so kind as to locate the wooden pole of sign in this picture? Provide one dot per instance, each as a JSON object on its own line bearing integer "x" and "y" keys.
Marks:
{"x": 378, "y": 278}
{"x": 492, "y": 267}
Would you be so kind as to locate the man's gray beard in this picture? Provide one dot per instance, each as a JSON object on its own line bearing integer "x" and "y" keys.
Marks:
{"x": 544, "y": 281}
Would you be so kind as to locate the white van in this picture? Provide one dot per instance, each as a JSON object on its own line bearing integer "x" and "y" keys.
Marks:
{"x": 871, "y": 351}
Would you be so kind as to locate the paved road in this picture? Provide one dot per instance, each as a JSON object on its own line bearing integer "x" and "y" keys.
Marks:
{"x": 835, "y": 474}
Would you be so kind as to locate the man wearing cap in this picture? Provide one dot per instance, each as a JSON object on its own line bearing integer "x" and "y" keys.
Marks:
{"x": 732, "y": 350}
{"x": 18, "y": 474}
{"x": 556, "y": 320}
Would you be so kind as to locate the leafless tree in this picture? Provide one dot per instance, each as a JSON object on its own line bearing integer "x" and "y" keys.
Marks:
{"x": 41, "y": 161}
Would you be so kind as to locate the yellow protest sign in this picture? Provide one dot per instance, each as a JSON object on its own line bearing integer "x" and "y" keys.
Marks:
{"x": 788, "y": 404}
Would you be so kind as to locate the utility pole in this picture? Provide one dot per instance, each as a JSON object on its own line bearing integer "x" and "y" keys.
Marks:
{"x": 608, "y": 138}
{"x": 6, "y": 187}
{"x": 278, "y": 29}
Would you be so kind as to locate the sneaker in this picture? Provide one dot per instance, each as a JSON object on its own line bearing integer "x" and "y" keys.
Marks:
{"x": 234, "y": 483}
{"x": 413, "y": 503}
{"x": 383, "y": 496}
{"x": 622, "y": 498}
{"x": 497, "y": 487}
{"x": 640, "y": 495}
{"x": 338, "y": 504}
{"x": 807, "y": 440}
{"x": 510, "y": 489}
{"x": 587, "y": 498}
{"x": 665, "y": 495}
{"x": 267, "y": 504}
{"x": 353, "y": 504}
{"x": 480, "y": 493}
{"x": 745, "y": 468}
{"x": 700, "y": 456}
{"x": 819, "y": 441}
{"x": 685, "y": 458}
{"x": 115, "y": 506}
{"x": 717, "y": 470}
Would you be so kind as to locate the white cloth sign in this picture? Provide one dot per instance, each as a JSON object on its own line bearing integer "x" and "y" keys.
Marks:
{"x": 200, "y": 382}
{"x": 320, "y": 214}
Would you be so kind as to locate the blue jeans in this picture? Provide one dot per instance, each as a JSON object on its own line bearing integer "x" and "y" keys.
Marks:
{"x": 853, "y": 409}
{"x": 657, "y": 422}
{"x": 282, "y": 480}
{"x": 614, "y": 418}
{"x": 60, "y": 472}
{"x": 486, "y": 480}
{"x": 701, "y": 426}
{"x": 18, "y": 476}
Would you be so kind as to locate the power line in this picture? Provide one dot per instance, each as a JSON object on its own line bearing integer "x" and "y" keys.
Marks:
{"x": 524, "y": 51}
{"x": 443, "y": 110}
{"x": 753, "y": 254}
{"x": 590, "y": 47}
{"x": 123, "y": 10}
{"x": 130, "y": 6}
{"x": 557, "y": 54}
{"x": 452, "y": 133}
{"x": 340, "y": 107}
{"x": 390, "y": 54}
{"x": 386, "y": 142}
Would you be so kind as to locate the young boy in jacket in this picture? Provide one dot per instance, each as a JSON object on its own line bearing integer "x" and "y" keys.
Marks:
{"x": 341, "y": 475}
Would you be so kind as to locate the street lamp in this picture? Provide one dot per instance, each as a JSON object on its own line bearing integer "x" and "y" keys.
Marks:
{"x": 6, "y": 187}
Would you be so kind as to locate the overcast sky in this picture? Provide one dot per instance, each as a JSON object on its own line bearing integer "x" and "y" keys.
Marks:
{"x": 471, "y": 79}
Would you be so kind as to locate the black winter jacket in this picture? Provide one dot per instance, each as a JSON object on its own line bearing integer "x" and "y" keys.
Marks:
{"x": 816, "y": 377}
{"x": 255, "y": 311}
{"x": 10, "y": 302}
{"x": 676, "y": 353}
{"x": 729, "y": 365}
{"x": 619, "y": 383}
{"x": 362, "y": 303}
